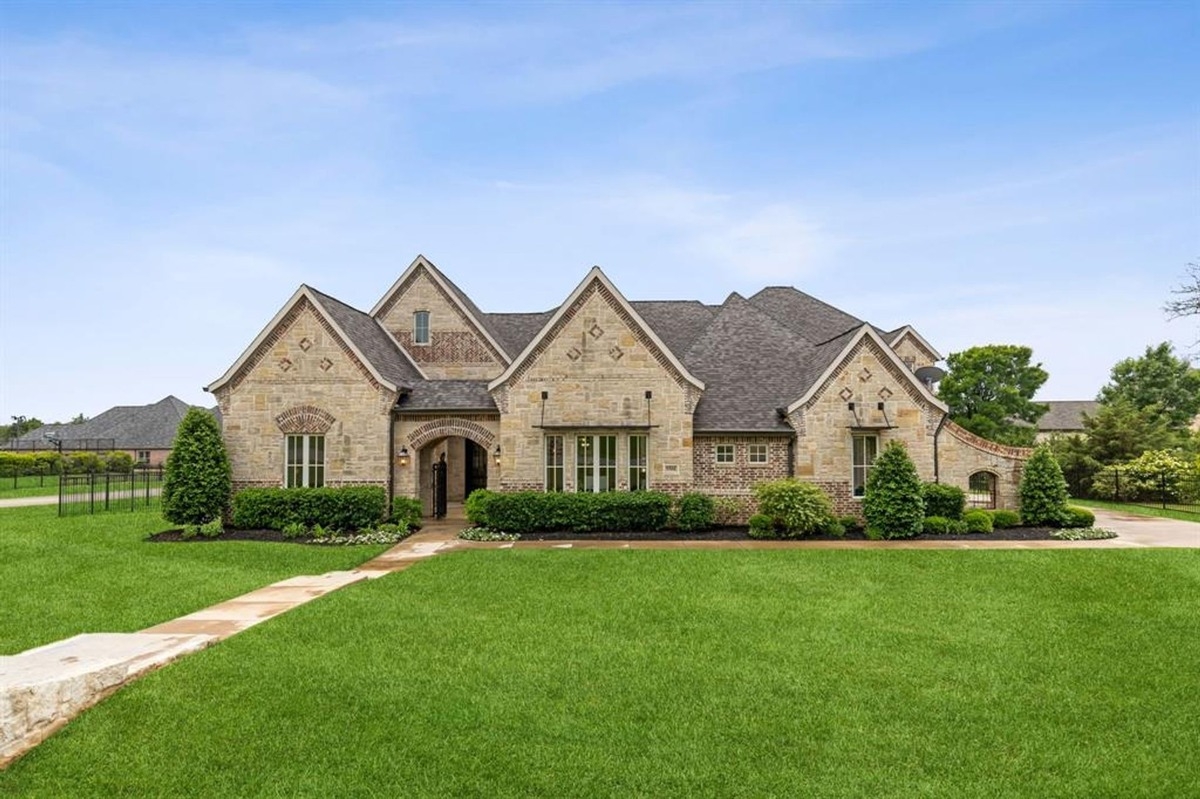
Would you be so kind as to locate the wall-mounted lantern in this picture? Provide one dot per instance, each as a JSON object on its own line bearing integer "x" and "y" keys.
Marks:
{"x": 403, "y": 456}
{"x": 497, "y": 454}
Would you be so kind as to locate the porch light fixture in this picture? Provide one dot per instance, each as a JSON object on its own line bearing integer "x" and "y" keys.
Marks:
{"x": 497, "y": 454}
{"x": 403, "y": 456}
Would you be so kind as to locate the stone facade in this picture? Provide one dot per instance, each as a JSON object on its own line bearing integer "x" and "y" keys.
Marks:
{"x": 962, "y": 453}
{"x": 303, "y": 380}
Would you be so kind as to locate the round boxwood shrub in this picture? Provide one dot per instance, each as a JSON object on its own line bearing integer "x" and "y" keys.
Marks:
{"x": 943, "y": 500}
{"x": 762, "y": 526}
{"x": 978, "y": 521}
{"x": 935, "y": 525}
{"x": 795, "y": 507}
{"x": 1003, "y": 519}
{"x": 1043, "y": 490}
{"x": 476, "y": 506}
{"x": 1075, "y": 516}
{"x": 892, "y": 503}
{"x": 197, "y": 481}
{"x": 694, "y": 512}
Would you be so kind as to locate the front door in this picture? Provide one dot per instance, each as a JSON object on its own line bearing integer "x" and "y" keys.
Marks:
{"x": 476, "y": 471}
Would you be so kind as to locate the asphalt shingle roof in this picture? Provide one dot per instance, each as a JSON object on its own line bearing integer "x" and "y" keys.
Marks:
{"x": 127, "y": 426}
{"x": 514, "y": 331}
{"x": 1066, "y": 414}
{"x": 368, "y": 335}
{"x": 804, "y": 315}
{"x": 459, "y": 395}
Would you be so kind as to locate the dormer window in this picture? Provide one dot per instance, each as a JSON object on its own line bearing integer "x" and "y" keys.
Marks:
{"x": 421, "y": 327}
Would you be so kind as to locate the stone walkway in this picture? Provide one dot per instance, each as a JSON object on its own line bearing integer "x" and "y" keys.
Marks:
{"x": 43, "y": 688}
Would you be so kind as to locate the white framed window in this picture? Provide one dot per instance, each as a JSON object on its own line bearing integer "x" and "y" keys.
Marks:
{"x": 724, "y": 453}
{"x": 638, "y": 462}
{"x": 143, "y": 457}
{"x": 757, "y": 454}
{"x": 864, "y": 449}
{"x": 305, "y": 464}
{"x": 595, "y": 463}
{"x": 421, "y": 327}
{"x": 555, "y": 468}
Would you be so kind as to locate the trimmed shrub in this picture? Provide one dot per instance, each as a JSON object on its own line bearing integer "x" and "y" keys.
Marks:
{"x": 695, "y": 512}
{"x": 851, "y": 524}
{"x": 121, "y": 462}
{"x": 339, "y": 509}
{"x": 197, "y": 481}
{"x": 525, "y": 512}
{"x": 294, "y": 530}
{"x": 795, "y": 507}
{"x": 943, "y": 500}
{"x": 1075, "y": 516}
{"x": 726, "y": 510}
{"x": 892, "y": 503}
{"x": 834, "y": 529}
{"x": 1043, "y": 490}
{"x": 476, "y": 506}
{"x": 406, "y": 512}
{"x": 1003, "y": 519}
{"x": 935, "y": 525}
{"x": 762, "y": 526}
{"x": 978, "y": 521}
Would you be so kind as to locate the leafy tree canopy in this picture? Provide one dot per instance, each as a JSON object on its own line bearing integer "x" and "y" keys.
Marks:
{"x": 990, "y": 388}
{"x": 1121, "y": 431}
{"x": 1158, "y": 380}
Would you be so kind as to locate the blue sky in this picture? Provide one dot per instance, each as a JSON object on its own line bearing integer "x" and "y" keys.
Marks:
{"x": 1023, "y": 173}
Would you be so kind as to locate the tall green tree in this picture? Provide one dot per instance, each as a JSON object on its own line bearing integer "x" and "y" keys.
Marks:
{"x": 990, "y": 392}
{"x": 1043, "y": 490}
{"x": 892, "y": 503}
{"x": 1120, "y": 431}
{"x": 1158, "y": 379}
{"x": 197, "y": 483}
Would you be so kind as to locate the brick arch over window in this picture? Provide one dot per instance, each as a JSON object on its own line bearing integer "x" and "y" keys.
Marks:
{"x": 441, "y": 428}
{"x": 305, "y": 419}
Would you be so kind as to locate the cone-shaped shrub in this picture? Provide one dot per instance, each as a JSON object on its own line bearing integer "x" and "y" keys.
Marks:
{"x": 196, "y": 484}
{"x": 1043, "y": 490}
{"x": 892, "y": 502}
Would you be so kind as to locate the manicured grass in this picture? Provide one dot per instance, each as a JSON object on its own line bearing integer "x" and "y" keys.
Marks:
{"x": 96, "y": 573}
{"x": 1140, "y": 510}
{"x": 642, "y": 673}
{"x": 28, "y": 486}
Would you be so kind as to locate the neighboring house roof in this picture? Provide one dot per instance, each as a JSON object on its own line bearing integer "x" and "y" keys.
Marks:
{"x": 127, "y": 426}
{"x": 1066, "y": 415}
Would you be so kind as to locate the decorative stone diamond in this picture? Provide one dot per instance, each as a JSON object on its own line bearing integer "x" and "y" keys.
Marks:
{"x": 285, "y": 364}
{"x": 865, "y": 374}
{"x": 616, "y": 353}
{"x": 846, "y": 394}
{"x": 885, "y": 393}
{"x": 574, "y": 354}
{"x": 596, "y": 331}
{"x": 305, "y": 344}
{"x": 326, "y": 364}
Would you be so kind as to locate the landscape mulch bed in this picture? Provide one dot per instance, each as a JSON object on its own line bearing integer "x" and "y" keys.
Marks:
{"x": 741, "y": 534}
{"x": 176, "y": 536}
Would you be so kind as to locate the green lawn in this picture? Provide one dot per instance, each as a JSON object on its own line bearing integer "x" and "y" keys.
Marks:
{"x": 28, "y": 486}
{"x": 641, "y": 673}
{"x": 96, "y": 573}
{"x": 1140, "y": 510}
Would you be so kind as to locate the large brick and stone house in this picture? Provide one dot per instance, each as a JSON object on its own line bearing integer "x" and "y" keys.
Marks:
{"x": 597, "y": 394}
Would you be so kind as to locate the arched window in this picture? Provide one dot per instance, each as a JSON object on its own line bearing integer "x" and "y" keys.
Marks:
{"x": 981, "y": 490}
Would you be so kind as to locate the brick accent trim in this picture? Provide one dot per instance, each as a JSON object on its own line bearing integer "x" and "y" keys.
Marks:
{"x": 305, "y": 419}
{"x": 395, "y": 296}
{"x": 903, "y": 379}
{"x": 972, "y": 440}
{"x": 451, "y": 426}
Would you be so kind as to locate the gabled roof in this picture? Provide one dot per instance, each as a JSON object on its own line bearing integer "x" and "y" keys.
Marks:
{"x": 516, "y": 330}
{"x": 750, "y": 365}
{"x": 444, "y": 395}
{"x": 457, "y": 296}
{"x": 1066, "y": 414}
{"x": 847, "y": 343}
{"x": 127, "y": 426}
{"x": 894, "y": 338}
{"x": 595, "y": 277}
{"x": 806, "y": 316}
{"x": 374, "y": 348}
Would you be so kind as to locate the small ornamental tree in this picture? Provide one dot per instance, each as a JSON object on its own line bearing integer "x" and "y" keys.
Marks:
{"x": 197, "y": 483}
{"x": 1043, "y": 490}
{"x": 892, "y": 502}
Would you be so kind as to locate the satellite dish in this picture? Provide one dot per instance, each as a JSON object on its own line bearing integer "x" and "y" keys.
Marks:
{"x": 930, "y": 374}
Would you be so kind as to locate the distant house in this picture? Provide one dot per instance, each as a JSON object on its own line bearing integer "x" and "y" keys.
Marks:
{"x": 146, "y": 432}
{"x": 1064, "y": 418}
{"x": 597, "y": 394}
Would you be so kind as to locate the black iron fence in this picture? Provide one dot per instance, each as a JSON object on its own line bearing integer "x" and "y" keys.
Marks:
{"x": 68, "y": 445}
{"x": 1174, "y": 489}
{"x": 109, "y": 491}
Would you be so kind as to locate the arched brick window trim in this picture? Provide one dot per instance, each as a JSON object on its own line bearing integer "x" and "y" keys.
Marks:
{"x": 305, "y": 419}
{"x": 441, "y": 428}
{"x": 981, "y": 489}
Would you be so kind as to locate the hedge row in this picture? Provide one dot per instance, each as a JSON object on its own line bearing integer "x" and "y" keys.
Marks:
{"x": 22, "y": 464}
{"x": 526, "y": 512}
{"x": 350, "y": 508}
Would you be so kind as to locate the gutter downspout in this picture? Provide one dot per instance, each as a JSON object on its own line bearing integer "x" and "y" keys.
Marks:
{"x": 791, "y": 457}
{"x": 391, "y": 480}
{"x": 936, "y": 433}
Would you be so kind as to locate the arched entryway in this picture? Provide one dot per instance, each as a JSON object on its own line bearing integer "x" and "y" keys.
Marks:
{"x": 465, "y": 446}
{"x": 981, "y": 490}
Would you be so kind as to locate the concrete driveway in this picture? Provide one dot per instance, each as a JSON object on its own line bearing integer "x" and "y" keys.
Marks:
{"x": 1149, "y": 531}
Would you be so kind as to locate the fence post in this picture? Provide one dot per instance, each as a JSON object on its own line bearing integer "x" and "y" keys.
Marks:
{"x": 60, "y": 495}
{"x": 92, "y": 493}
{"x": 1162, "y": 488}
